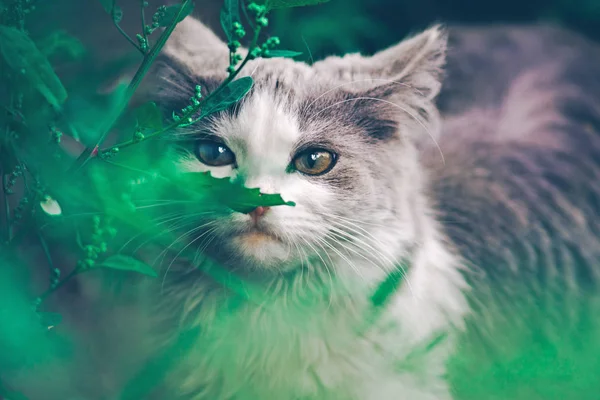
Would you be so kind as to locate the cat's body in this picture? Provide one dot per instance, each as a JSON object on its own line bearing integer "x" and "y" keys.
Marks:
{"x": 471, "y": 227}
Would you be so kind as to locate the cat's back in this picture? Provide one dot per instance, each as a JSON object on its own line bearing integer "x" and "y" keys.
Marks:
{"x": 521, "y": 146}
{"x": 518, "y": 195}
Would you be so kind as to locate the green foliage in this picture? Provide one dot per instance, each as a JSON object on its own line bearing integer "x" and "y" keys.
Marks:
{"x": 275, "y": 4}
{"x": 24, "y": 58}
{"x": 61, "y": 42}
{"x": 149, "y": 117}
{"x": 282, "y": 53}
{"x": 108, "y": 5}
{"x": 230, "y": 95}
{"x": 172, "y": 11}
{"x": 127, "y": 263}
{"x": 230, "y": 15}
{"x": 92, "y": 205}
{"x": 231, "y": 194}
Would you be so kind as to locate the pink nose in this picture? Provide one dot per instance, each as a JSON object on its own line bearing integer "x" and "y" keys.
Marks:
{"x": 258, "y": 212}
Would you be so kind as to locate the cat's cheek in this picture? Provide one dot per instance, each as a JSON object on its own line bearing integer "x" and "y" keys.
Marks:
{"x": 306, "y": 194}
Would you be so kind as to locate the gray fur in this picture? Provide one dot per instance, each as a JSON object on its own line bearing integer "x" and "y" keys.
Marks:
{"x": 507, "y": 178}
{"x": 488, "y": 189}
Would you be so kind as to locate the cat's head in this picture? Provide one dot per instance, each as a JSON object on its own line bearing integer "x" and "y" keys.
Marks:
{"x": 338, "y": 138}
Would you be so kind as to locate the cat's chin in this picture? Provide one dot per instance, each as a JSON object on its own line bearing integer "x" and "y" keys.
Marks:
{"x": 262, "y": 250}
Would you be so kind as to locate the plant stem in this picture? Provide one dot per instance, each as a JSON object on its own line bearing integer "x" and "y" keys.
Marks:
{"x": 6, "y": 208}
{"x": 113, "y": 14}
{"x": 126, "y": 36}
{"x": 187, "y": 115}
{"x": 61, "y": 283}
{"x": 144, "y": 34}
{"x": 46, "y": 251}
{"x": 89, "y": 152}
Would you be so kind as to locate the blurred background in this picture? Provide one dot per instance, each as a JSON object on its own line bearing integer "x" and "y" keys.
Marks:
{"x": 88, "y": 54}
{"x": 336, "y": 27}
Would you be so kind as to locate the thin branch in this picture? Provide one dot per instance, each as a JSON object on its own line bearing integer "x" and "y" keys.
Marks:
{"x": 61, "y": 283}
{"x": 6, "y": 207}
{"x": 195, "y": 109}
{"x": 144, "y": 34}
{"x": 133, "y": 85}
{"x": 121, "y": 31}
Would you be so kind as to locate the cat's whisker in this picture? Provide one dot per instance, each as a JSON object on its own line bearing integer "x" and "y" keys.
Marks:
{"x": 211, "y": 237}
{"x": 335, "y": 220}
{"x": 163, "y": 204}
{"x": 341, "y": 255}
{"x": 288, "y": 240}
{"x": 367, "y": 257}
{"x": 195, "y": 229}
{"x": 388, "y": 259}
{"x": 356, "y": 221}
{"x": 325, "y": 266}
{"x": 179, "y": 253}
{"x": 167, "y": 218}
{"x": 188, "y": 218}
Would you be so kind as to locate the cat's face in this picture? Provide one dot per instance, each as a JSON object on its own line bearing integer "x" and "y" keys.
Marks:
{"x": 336, "y": 138}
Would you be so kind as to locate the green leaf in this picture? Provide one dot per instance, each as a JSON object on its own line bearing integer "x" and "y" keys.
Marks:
{"x": 274, "y": 4}
{"x": 283, "y": 53}
{"x": 113, "y": 9}
{"x": 117, "y": 14}
{"x": 172, "y": 11}
{"x": 245, "y": 200}
{"x": 149, "y": 117}
{"x": 234, "y": 195}
{"x": 23, "y": 57}
{"x": 108, "y": 5}
{"x": 230, "y": 95}
{"x": 230, "y": 13}
{"x": 126, "y": 263}
{"x": 61, "y": 42}
{"x": 82, "y": 113}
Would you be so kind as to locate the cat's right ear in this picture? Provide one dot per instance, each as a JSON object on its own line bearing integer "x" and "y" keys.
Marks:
{"x": 415, "y": 63}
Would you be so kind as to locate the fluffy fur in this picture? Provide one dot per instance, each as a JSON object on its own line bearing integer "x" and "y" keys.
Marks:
{"x": 348, "y": 230}
{"x": 482, "y": 193}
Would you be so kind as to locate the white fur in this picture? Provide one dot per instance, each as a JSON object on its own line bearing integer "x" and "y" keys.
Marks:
{"x": 279, "y": 349}
{"x": 314, "y": 335}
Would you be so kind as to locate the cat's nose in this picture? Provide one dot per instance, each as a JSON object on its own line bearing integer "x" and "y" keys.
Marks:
{"x": 258, "y": 212}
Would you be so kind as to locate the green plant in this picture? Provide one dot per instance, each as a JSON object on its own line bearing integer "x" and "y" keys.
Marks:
{"x": 50, "y": 200}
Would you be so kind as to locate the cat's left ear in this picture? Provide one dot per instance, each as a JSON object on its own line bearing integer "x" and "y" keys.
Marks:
{"x": 415, "y": 64}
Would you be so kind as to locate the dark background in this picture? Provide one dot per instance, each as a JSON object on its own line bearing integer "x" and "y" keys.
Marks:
{"x": 92, "y": 60}
{"x": 336, "y": 27}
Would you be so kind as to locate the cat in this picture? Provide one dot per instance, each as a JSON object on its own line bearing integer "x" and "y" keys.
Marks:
{"x": 464, "y": 161}
{"x": 339, "y": 139}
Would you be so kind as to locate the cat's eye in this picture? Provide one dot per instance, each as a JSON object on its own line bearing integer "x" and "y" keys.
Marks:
{"x": 214, "y": 154}
{"x": 314, "y": 161}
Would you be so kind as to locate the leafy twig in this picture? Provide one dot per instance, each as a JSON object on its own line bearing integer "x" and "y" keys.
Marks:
{"x": 133, "y": 85}
{"x": 252, "y": 54}
{"x": 116, "y": 18}
{"x": 143, "y": 5}
{"x": 61, "y": 283}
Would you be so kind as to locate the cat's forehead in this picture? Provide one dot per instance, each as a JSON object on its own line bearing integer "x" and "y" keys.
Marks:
{"x": 285, "y": 103}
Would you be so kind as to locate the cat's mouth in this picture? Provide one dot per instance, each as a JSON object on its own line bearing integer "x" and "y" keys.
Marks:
{"x": 258, "y": 236}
